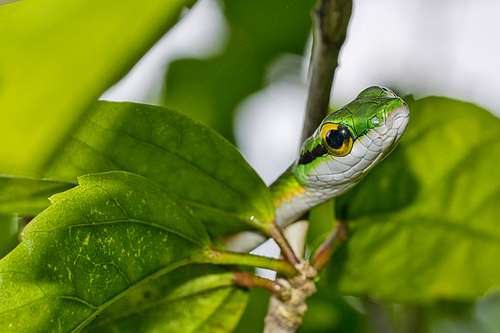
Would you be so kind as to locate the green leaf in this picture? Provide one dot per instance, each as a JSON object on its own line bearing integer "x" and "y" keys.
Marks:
{"x": 253, "y": 317}
{"x": 59, "y": 56}
{"x": 209, "y": 90}
{"x": 28, "y": 196}
{"x": 9, "y": 233}
{"x": 93, "y": 245}
{"x": 207, "y": 302}
{"x": 176, "y": 152}
{"x": 426, "y": 219}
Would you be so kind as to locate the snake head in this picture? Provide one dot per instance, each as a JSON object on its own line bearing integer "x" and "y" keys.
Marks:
{"x": 352, "y": 140}
{"x": 344, "y": 148}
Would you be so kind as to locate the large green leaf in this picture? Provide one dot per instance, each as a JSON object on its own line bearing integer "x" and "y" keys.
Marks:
{"x": 209, "y": 90}
{"x": 193, "y": 298}
{"x": 94, "y": 244}
{"x": 427, "y": 218}
{"x": 174, "y": 151}
{"x": 59, "y": 56}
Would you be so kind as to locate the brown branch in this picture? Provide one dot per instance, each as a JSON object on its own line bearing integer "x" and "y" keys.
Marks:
{"x": 248, "y": 280}
{"x": 286, "y": 316}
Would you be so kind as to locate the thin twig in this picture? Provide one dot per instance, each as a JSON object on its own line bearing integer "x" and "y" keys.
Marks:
{"x": 331, "y": 18}
{"x": 248, "y": 280}
{"x": 332, "y": 243}
{"x": 286, "y": 250}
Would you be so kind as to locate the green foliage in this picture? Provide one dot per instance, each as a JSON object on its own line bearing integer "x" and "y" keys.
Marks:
{"x": 94, "y": 243}
{"x": 57, "y": 58}
{"x": 329, "y": 312}
{"x": 479, "y": 317}
{"x": 253, "y": 318}
{"x": 9, "y": 232}
{"x": 28, "y": 196}
{"x": 206, "y": 303}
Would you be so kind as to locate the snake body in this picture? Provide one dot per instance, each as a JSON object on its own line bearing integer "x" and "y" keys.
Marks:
{"x": 344, "y": 148}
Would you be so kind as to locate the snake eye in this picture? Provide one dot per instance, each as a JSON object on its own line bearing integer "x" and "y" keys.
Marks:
{"x": 337, "y": 139}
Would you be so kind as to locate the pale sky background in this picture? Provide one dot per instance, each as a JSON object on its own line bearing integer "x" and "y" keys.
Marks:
{"x": 427, "y": 47}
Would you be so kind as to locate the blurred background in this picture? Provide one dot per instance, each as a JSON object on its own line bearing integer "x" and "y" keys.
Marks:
{"x": 445, "y": 48}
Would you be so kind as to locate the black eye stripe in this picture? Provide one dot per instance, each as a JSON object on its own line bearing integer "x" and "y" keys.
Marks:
{"x": 319, "y": 150}
{"x": 307, "y": 157}
{"x": 310, "y": 156}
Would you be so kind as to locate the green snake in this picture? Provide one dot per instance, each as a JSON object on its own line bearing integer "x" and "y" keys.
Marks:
{"x": 344, "y": 148}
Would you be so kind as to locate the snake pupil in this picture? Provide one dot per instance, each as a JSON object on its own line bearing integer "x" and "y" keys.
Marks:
{"x": 335, "y": 138}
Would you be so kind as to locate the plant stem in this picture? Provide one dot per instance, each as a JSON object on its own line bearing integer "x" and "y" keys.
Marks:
{"x": 219, "y": 257}
{"x": 285, "y": 316}
{"x": 286, "y": 249}
{"x": 248, "y": 280}
{"x": 332, "y": 243}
